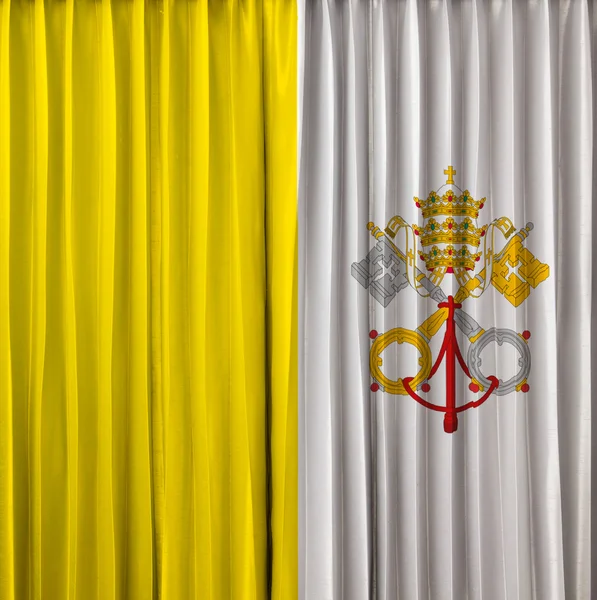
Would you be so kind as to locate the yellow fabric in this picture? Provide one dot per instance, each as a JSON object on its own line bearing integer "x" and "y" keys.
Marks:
{"x": 148, "y": 300}
{"x": 280, "y": 57}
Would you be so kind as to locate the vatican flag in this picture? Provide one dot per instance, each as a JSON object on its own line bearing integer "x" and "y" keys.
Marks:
{"x": 446, "y": 164}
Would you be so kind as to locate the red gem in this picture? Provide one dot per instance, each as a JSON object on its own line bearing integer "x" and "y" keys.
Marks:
{"x": 473, "y": 387}
{"x": 526, "y": 334}
{"x": 374, "y": 387}
{"x": 482, "y": 233}
{"x": 477, "y": 259}
{"x": 449, "y": 225}
{"x": 425, "y": 387}
{"x": 373, "y": 334}
{"x": 525, "y": 388}
{"x": 481, "y": 205}
{"x": 416, "y": 232}
{"x": 449, "y": 251}
{"x": 449, "y": 198}
{"x": 418, "y": 205}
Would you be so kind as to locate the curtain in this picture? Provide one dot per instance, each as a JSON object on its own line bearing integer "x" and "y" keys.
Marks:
{"x": 148, "y": 314}
{"x": 469, "y": 476}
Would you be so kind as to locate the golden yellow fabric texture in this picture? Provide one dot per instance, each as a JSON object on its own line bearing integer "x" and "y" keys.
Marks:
{"x": 148, "y": 299}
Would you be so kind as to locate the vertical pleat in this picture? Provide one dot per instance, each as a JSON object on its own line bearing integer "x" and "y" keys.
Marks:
{"x": 593, "y": 541}
{"x": 85, "y": 210}
{"x": 303, "y": 37}
{"x": 7, "y": 570}
{"x": 381, "y": 134}
{"x": 38, "y": 294}
{"x": 356, "y": 523}
{"x": 179, "y": 561}
{"x": 279, "y": 89}
{"x": 217, "y": 313}
{"x": 69, "y": 315}
{"x": 316, "y": 162}
{"x": 139, "y": 520}
{"x": 203, "y": 462}
{"x": 408, "y": 172}
{"x": 163, "y": 192}
{"x": 160, "y": 296}
{"x": 334, "y": 237}
{"x": 105, "y": 299}
{"x": 55, "y": 424}
{"x": 506, "y": 159}
{"x": 122, "y": 292}
{"x": 246, "y": 235}
{"x": 20, "y": 144}
{"x": 155, "y": 221}
{"x": 474, "y": 143}
{"x": 574, "y": 299}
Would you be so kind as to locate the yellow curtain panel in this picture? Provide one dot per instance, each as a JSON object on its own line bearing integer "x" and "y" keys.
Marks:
{"x": 148, "y": 299}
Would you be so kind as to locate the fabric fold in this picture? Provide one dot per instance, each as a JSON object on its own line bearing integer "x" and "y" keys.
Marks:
{"x": 69, "y": 307}
{"x": 205, "y": 566}
{"x": 279, "y": 105}
{"x": 105, "y": 299}
{"x": 37, "y": 342}
{"x": 7, "y": 533}
{"x": 147, "y": 250}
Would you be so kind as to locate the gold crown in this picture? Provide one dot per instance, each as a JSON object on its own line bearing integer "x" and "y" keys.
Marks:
{"x": 455, "y": 232}
{"x": 450, "y": 257}
{"x": 450, "y": 204}
{"x": 450, "y": 232}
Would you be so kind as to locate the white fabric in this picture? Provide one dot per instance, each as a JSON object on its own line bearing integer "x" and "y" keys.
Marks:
{"x": 391, "y": 93}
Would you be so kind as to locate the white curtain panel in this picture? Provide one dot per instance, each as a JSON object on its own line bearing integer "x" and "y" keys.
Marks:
{"x": 420, "y": 483}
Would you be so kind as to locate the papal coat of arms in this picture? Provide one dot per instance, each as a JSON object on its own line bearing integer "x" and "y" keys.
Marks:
{"x": 449, "y": 242}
